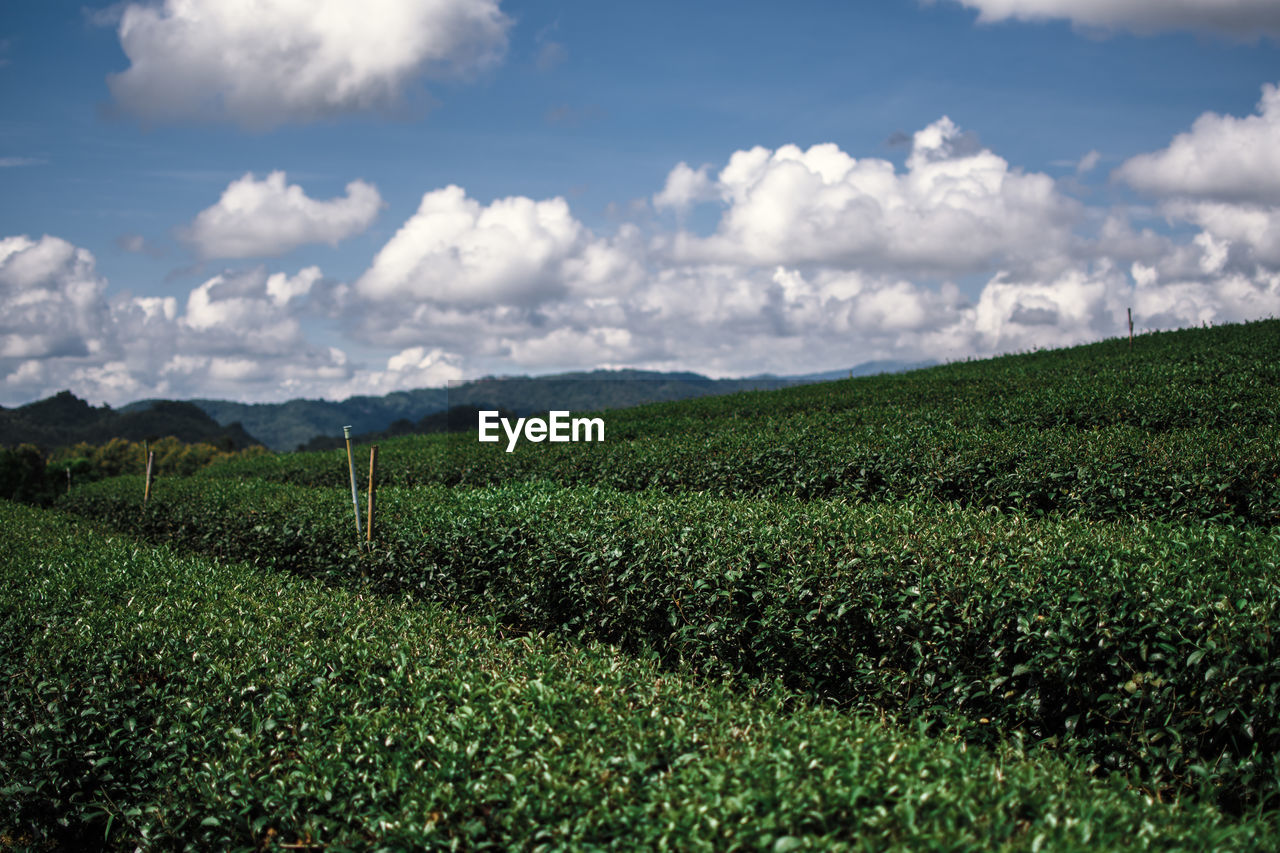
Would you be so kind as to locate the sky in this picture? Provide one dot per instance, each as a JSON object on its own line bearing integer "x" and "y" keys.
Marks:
{"x": 267, "y": 200}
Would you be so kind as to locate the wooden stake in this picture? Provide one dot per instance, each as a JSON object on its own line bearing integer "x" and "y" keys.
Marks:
{"x": 146, "y": 490}
{"x": 1130, "y": 310}
{"x": 373, "y": 472}
{"x": 351, "y": 466}
{"x": 68, "y": 480}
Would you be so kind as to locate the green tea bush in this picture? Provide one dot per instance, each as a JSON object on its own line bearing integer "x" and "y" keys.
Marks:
{"x": 1185, "y": 427}
{"x": 1150, "y": 648}
{"x": 156, "y": 701}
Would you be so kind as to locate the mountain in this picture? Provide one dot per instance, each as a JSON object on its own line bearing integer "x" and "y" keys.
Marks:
{"x": 452, "y": 419}
{"x": 867, "y": 368}
{"x": 295, "y": 423}
{"x": 64, "y": 419}
{"x": 284, "y": 426}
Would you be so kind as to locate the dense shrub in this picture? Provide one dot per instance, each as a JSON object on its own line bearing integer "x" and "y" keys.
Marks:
{"x": 162, "y": 702}
{"x": 23, "y": 475}
{"x": 1151, "y": 648}
{"x": 1184, "y": 427}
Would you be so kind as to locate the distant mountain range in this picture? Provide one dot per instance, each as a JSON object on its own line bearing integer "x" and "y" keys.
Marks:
{"x": 65, "y": 419}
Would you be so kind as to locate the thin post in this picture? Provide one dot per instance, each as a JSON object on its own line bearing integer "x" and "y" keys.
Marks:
{"x": 351, "y": 466}
{"x": 68, "y": 479}
{"x": 373, "y": 472}
{"x": 1130, "y": 310}
{"x": 146, "y": 490}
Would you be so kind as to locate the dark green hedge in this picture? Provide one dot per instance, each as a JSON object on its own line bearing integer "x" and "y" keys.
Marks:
{"x": 1184, "y": 427}
{"x": 1150, "y": 648}
{"x": 162, "y": 702}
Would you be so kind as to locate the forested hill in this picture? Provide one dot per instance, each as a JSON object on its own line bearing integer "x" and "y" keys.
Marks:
{"x": 294, "y": 423}
{"x": 288, "y": 425}
{"x": 64, "y": 419}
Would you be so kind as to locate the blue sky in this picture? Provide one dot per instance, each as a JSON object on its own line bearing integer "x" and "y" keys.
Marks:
{"x": 319, "y": 198}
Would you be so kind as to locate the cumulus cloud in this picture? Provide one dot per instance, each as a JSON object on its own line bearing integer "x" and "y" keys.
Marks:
{"x": 957, "y": 208}
{"x": 1078, "y": 306}
{"x": 266, "y": 63}
{"x": 1223, "y": 175}
{"x": 1218, "y": 298}
{"x": 1241, "y": 19}
{"x": 1253, "y": 228}
{"x": 269, "y": 217}
{"x": 52, "y": 301}
{"x": 685, "y": 187}
{"x": 456, "y": 251}
{"x": 1222, "y": 158}
{"x": 818, "y": 259}
{"x": 238, "y": 334}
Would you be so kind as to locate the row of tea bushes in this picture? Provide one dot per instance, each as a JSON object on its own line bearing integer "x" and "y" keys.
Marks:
{"x": 1185, "y": 426}
{"x": 156, "y": 701}
{"x": 1150, "y": 648}
{"x": 1194, "y": 378}
{"x": 1113, "y": 472}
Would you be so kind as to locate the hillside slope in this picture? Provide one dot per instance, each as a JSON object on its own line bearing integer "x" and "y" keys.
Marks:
{"x": 65, "y": 419}
{"x": 1185, "y": 425}
{"x": 294, "y": 423}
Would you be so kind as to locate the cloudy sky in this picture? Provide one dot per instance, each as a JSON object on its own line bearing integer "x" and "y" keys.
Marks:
{"x": 265, "y": 199}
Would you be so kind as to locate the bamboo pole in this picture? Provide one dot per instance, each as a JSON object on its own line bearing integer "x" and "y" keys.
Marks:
{"x": 1130, "y": 310}
{"x": 373, "y": 472}
{"x": 146, "y": 490}
{"x": 351, "y": 466}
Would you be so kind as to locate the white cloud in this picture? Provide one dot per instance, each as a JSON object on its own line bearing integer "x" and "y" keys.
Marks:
{"x": 1079, "y": 306}
{"x": 1230, "y": 297}
{"x": 456, "y": 251}
{"x": 685, "y": 187}
{"x": 250, "y": 306}
{"x": 260, "y": 64}
{"x": 1223, "y": 176}
{"x": 819, "y": 260}
{"x": 239, "y": 335}
{"x": 955, "y": 209}
{"x": 1242, "y": 19}
{"x": 52, "y": 301}
{"x": 1223, "y": 158}
{"x": 1255, "y": 228}
{"x": 267, "y": 218}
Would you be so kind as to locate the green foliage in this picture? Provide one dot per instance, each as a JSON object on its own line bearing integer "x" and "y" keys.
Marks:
{"x": 1184, "y": 427}
{"x": 65, "y": 419}
{"x": 159, "y": 702}
{"x": 1150, "y": 648}
{"x": 23, "y": 476}
{"x": 174, "y": 458}
{"x": 26, "y": 475}
{"x": 1076, "y": 551}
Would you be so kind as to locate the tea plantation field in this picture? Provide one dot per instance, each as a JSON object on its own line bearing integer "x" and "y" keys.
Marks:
{"x": 1030, "y": 602}
{"x": 164, "y": 701}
